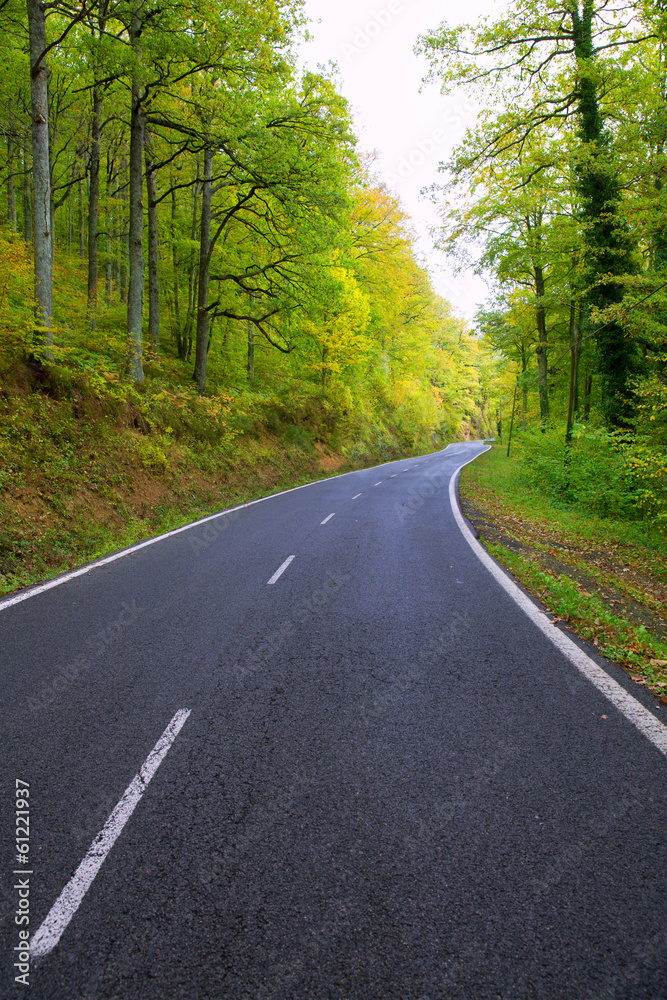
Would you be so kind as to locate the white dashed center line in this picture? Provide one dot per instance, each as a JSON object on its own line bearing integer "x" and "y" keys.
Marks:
{"x": 327, "y": 518}
{"x": 279, "y": 572}
{"x": 379, "y": 484}
{"x": 53, "y": 927}
{"x": 356, "y": 495}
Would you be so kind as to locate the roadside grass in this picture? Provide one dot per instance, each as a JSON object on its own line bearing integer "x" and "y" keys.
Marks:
{"x": 604, "y": 579}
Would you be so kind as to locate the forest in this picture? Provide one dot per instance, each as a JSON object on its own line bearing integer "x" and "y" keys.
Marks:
{"x": 557, "y": 193}
{"x": 200, "y": 273}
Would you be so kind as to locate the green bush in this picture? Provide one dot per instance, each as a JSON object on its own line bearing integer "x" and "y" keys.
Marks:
{"x": 609, "y": 474}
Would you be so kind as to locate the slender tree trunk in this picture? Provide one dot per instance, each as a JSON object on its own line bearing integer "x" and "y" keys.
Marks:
{"x": 153, "y": 253}
{"x": 575, "y": 348}
{"x": 251, "y": 345}
{"x": 224, "y": 347}
{"x": 94, "y": 208}
{"x": 122, "y": 215}
{"x": 588, "y": 391}
{"x": 94, "y": 188}
{"x": 52, "y": 202}
{"x": 43, "y": 232}
{"x": 81, "y": 219}
{"x": 174, "y": 269}
{"x": 324, "y": 372}
{"x": 524, "y": 387}
{"x": 192, "y": 283}
{"x": 509, "y": 440}
{"x": 201, "y": 349}
{"x": 135, "y": 294}
{"x": 108, "y": 224}
{"x": 541, "y": 351}
{"x": 11, "y": 190}
{"x": 25, "y": 198}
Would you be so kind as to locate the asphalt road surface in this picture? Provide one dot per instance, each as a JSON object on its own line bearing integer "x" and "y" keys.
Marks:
{"x": 360, "y": 773}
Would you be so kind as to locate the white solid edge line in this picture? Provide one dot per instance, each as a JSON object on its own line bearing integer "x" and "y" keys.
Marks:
{"x": 356, "y": 495}
{"x": 327, "y": 518}
{"x": 634, "y": 711}
{"x": 279, "y": 572}
{"x": 53, "y": 926}
{"x": 40, "y": 588}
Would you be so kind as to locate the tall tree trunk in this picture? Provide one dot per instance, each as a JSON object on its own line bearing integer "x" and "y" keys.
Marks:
{"x": 52, "y": 200}
{"x": 25, "y": 198}
{"x": 94, "y": 208}
{"x": 575, "y": 348}
{"x": 524, "y": 386}
{"x": 588, "y": 391}
{"x": 43, "y": 232}
{"x": 608, "y": 243}
{"x": 325, "y": 351}
{"x": 81, "y": 219}
{"x": 201, "y": 349}
{"x": 94, "y": 187}
{"x": 108, "y": 223}
{"x": 541, "y": 350}
{"x": 251, "y": 345}
{"x": 192, "y": 282}
{"x": 122, "y": 188}
{"x": 11, "y": 190}
{"x": 135, "y": 294}
{"x": 176, "y": 329}
{"x": 153, "y": 253}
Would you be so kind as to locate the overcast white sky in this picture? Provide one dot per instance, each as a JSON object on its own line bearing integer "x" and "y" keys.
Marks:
{"x": 372, "y": 43}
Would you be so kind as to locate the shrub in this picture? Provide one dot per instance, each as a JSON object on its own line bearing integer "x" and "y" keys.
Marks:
{"x": 610, "y": 474}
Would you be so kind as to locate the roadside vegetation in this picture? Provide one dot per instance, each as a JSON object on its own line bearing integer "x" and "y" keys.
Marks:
{"x": 605, "y": 577}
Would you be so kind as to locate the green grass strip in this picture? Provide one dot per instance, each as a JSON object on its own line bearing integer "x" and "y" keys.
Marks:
{"x": 616, "y": 638}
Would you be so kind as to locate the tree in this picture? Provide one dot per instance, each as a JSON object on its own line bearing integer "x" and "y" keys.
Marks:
{"x": 41, "y": 172}
{"x": 550, "y": 63}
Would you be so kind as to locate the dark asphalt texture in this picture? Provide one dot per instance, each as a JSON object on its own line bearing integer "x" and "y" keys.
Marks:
{"x": 391, "y": 784}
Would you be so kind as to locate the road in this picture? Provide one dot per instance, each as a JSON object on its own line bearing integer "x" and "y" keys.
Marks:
{"x": 367, "y": 776}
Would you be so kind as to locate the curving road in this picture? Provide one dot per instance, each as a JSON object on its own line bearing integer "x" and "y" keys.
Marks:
{"x": 320, "y": 751}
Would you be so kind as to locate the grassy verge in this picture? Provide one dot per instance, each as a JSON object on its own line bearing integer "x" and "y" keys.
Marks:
{"x": 604, "y": 579}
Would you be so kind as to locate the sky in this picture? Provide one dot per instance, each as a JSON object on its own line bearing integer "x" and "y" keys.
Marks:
{"x": 411, "y": 132}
